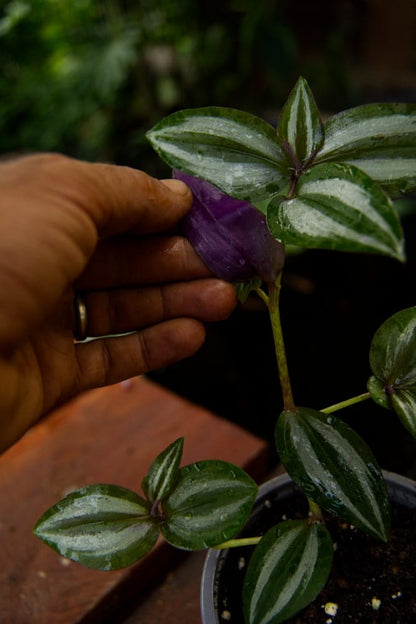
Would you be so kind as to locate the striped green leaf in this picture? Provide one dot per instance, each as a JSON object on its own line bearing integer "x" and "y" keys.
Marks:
{"x": 338, "y": 206}
{"x": 404, "y": 404}
{"x": 300, "y": 126}
{"x": 335, "y": 468}
{"x": 393, "y": 362}
{"x": 236, "y": 151}
{"x": 164, "y": 472}
{"x": 380, "y": 139}
{"x": 105, "y": 527}
{"x": 401, "y": 400}
{"x": 288, "y": 569}
{"x": 210, "y": 503}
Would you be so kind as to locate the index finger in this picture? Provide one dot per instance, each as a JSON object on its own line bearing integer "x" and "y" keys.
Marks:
{"x": 116, "y": 198}
{"x": 128, "y": 199}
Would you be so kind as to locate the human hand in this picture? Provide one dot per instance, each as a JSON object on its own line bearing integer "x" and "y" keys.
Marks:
{"x": 108, "y": 231}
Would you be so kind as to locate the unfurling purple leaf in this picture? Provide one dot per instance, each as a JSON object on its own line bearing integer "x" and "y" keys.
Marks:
{"x": 230, "y": 235}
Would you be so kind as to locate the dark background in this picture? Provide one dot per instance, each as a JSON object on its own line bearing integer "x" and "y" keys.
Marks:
{"x": 90, "y": 77}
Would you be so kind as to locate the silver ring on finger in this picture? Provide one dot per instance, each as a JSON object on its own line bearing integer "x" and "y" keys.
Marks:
{"x": 81, "y": 318}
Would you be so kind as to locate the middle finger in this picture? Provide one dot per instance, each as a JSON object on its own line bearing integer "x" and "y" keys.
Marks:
{"x": 130, "y": 260}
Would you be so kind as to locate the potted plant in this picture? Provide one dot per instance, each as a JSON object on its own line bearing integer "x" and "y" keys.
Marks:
{"x": 256, "y": 192}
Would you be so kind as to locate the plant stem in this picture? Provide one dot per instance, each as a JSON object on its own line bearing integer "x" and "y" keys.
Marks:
{"x": 234, "y": 543}
{"x": 274, "y": 312}
{"x": 338, "y": 406}
{"x": 260, "y": 292}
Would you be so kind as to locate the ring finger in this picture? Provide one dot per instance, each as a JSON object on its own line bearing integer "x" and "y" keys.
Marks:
{"x": 124, "y": 310}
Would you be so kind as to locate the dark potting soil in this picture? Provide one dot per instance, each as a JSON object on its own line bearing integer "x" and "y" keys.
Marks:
{"x": 370, "y": 583}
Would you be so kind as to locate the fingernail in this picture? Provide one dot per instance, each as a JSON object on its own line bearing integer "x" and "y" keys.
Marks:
{"x": 177, "y": 186}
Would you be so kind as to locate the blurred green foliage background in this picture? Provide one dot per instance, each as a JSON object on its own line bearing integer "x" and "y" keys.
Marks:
{"x": 90, "y": 77}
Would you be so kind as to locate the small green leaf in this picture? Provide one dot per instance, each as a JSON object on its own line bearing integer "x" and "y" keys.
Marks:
{"x": 288, "y": 569}
{"x": 338, "y": 207}
{"x": 243, "y": 289}
{"x": 393, "y": 349}
{"x": 393, "y": 362}
{"x": 210, "y": 503}
{"x": 335, "y": 468}
{"x": 105, "y": 527}
{"x": 236, "y": 151}
{"x": 164, "y": 472}
{"x": 300, "y": 126}
{"x": 378, "y": 393}
{"x": 380, "y": 139}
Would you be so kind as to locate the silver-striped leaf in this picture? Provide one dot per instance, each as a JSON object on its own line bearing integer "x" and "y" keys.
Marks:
{"x": 335, "y": 468}
{"x": 393, "y": 362}
{"x": 404, "y": 405}
{"x": 287, "y": 570}
{"x": 164, "y": 472}
{"x": 380, "y": 139}
{"x": 209, "y": 504}
{"x": 238, "y": 152}
{"x": 105, "y": 527}
{"x": 300, "y": 127}
{"x": 338, "y": 206}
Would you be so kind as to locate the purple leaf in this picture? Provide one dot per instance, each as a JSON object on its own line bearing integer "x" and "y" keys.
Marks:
{"x": 230, "y": 235}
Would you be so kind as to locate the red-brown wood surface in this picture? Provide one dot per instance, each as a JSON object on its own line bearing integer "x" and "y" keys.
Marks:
{"x": 110, "y": 435}
{"x": 176, "y": 599}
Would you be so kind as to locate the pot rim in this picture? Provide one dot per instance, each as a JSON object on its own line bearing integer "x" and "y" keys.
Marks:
{"x": 402, "y": 489}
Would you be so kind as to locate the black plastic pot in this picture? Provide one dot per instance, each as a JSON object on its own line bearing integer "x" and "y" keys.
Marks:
{"x": 224, "y": 566}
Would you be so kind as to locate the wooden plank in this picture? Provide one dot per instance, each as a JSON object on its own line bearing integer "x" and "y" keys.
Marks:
{"x": 110, "y": 435}
{"x": 176, "y": 600}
